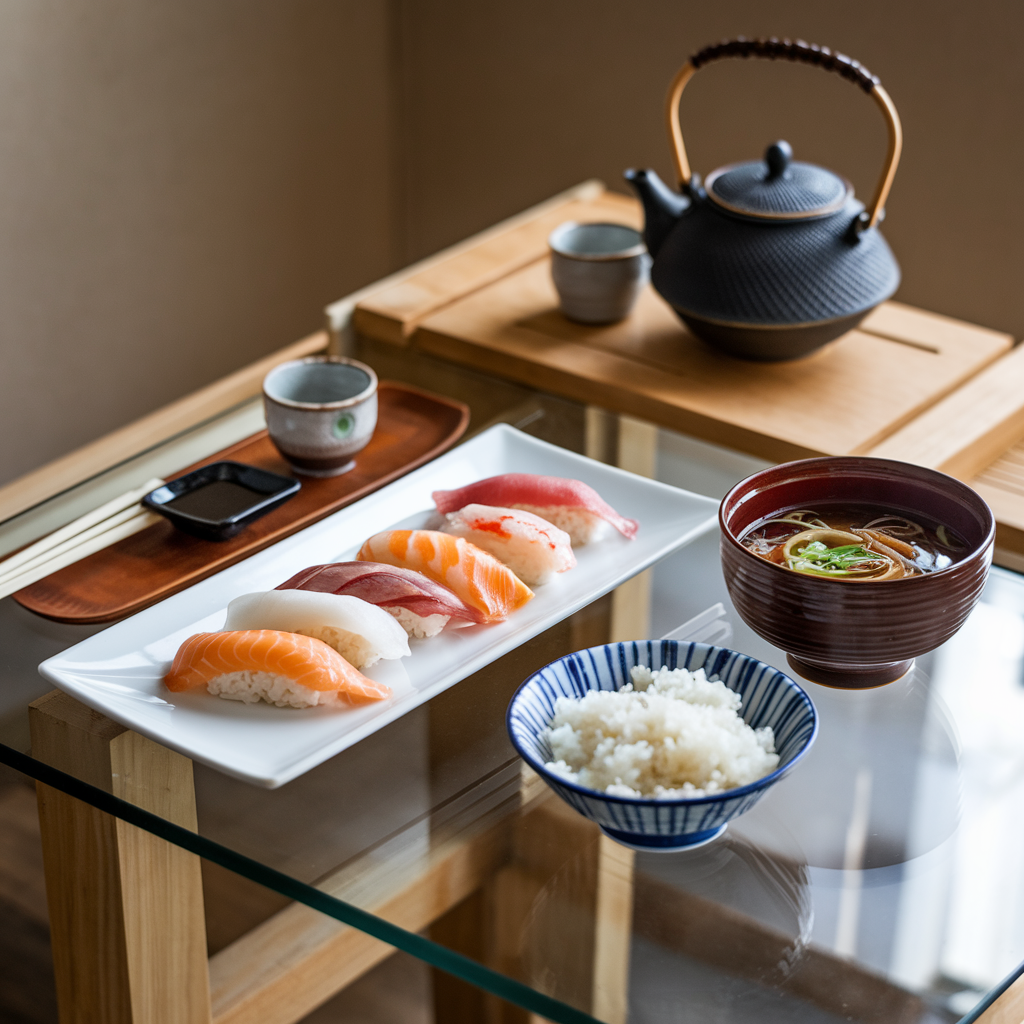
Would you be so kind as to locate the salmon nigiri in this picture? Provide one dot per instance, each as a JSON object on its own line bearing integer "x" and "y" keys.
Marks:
{"x": 571, "y": 505}
{"x": 267, "y": 664}
{"x": 475, "y": 576}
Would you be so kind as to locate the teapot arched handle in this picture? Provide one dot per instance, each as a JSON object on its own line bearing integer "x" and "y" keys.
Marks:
{"x": 805, "y": 53}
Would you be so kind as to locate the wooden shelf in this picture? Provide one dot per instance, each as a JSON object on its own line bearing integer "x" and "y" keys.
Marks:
{"x": 844, "y": 399}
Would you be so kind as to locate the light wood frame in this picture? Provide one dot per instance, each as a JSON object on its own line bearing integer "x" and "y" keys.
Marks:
{"x": 129, "y": 937}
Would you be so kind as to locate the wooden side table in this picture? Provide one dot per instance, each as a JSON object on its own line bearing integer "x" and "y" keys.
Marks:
{"x": 479, "y": 322}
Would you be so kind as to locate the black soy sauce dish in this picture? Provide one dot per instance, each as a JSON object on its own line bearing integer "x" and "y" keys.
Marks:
{"x": 218, "y": 501}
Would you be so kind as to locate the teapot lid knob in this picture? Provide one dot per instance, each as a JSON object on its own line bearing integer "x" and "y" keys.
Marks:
{"x": 777, "y": 157}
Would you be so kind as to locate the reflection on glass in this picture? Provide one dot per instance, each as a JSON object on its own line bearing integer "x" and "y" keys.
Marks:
{"x": 980, "y": 676}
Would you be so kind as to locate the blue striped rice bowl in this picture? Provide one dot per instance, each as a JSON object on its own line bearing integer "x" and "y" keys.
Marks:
{"x": 768, "y": 696}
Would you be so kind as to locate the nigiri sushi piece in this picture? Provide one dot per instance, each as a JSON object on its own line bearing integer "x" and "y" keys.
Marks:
{"x": 571, "y": 505}
{"x": 475, "y": 576}
{"x": 531, "y": 547}
{"x": 419, "y": 604}
{"x": 286, "y": 669}
{"x": 360, "y": 632}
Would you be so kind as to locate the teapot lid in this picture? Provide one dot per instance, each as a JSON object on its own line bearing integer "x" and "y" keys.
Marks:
{"x": 778, "y": 188}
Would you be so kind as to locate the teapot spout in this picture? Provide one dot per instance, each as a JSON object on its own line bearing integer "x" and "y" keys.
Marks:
{"x": 662, "y": 206}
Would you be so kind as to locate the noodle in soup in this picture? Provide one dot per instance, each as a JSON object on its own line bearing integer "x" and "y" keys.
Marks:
{"x": 858, "y": 543}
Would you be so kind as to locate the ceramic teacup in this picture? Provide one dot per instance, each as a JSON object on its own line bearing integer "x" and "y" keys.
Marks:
{"x": 599, "y": 270}
{"x": 320, "y": 412}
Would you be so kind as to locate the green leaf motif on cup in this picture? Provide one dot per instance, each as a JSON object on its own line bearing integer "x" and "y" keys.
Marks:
{"x": 344, "y": 425}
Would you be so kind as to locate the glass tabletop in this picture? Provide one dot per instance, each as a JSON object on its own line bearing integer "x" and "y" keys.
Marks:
{"x": 883, "y": 880}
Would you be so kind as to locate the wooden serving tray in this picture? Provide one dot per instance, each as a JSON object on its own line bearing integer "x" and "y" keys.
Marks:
{"x": 413, "y": 427}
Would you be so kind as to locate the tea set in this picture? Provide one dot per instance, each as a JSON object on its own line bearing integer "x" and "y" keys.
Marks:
{"x": 765, "y": 260}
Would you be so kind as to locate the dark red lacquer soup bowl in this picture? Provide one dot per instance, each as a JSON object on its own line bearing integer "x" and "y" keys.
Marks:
{"x": 844, "y": 633}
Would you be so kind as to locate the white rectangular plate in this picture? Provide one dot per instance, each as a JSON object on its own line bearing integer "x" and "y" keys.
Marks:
{"x": 119, "y": 671}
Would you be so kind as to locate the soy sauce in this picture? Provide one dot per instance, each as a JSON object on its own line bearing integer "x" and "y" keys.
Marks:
{"x": 219, "y": 499}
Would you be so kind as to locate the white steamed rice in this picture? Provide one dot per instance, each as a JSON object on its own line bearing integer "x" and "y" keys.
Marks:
{"x": 251, "y": 687}
{"x": 670, "y": 734}
{"x": 353, "y": 647}
{"x": 419, "y": 626}
{"x": 582, "y": 526}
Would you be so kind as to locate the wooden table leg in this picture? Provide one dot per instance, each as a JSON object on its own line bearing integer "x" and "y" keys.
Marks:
{"x": 1008, "y": 1008}
{"x": 566, "y": 886}
{"x": 126, "y": 908}
{"x": 636, "y": 451}
{"x": 613, "y": 927}
{"x": 561, "y": 912}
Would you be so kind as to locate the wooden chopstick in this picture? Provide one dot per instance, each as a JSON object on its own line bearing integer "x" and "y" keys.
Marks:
{"x": 86, "y": 535}
{"x": 111, "y": 508}
{"x": 78, "y": 550}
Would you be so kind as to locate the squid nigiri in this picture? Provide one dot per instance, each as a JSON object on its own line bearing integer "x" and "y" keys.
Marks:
{"x": 285, "y": 669}
{"x": 530, "y": 546}
{"x": 360, "y": 632}
{"x": 420, "y": 605}
{"x": 475, "y": 576}
{"x": 571, "y": 505}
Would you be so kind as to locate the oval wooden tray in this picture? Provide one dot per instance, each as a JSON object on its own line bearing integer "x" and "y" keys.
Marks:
{"x": 413, "y": 427}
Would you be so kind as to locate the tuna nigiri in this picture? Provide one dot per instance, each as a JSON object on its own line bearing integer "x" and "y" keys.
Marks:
{"x": 285, "y": 669}
{"x": 421, "y": 606}
{"x": 360, "y": 632}
{"x": 530, "y": 546}
{"x": 475, "y": 576}
{"x": 571, "y": 505}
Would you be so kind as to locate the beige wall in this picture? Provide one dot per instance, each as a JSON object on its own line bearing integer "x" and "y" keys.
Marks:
{"x": 184, "y": 185}
{"x": 508, "y": 101}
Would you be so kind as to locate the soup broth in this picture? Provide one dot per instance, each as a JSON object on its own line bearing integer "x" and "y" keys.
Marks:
{"x": 859, "y": 543}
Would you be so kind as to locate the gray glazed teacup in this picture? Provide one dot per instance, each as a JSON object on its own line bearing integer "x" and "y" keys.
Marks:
{"x": 320, "y": 411}
{"x": 599, "y": 270}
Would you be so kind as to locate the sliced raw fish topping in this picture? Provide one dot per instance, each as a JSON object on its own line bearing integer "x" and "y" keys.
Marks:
{"x": 387, "y": 586}
{"x": 475, "y": 576}
{"x": 301, "y": 659}
{"x": 535, "y": 493}
{"x": 531, "y": 547}
{"x": 359, "y": 631}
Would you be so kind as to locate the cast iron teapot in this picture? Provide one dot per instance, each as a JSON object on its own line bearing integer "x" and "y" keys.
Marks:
{"x": 769, "y": 259}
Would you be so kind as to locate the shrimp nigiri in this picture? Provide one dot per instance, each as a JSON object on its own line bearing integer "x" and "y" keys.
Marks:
{"x": 530, "y": 546}
{"x": 422, "y": 606}
{"x": 268, "y": 664}
{"x": 475, "y": 576}
{"x": 571, "y": 505}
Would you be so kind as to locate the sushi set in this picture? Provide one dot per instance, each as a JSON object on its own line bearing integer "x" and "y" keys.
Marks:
{"x": 328, "y": 635}
{"x": 265, "y": 653}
